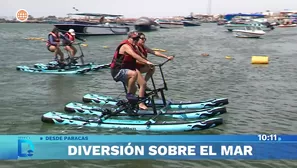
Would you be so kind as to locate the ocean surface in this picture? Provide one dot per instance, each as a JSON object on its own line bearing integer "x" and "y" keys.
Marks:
{"x": 262, "y": 98}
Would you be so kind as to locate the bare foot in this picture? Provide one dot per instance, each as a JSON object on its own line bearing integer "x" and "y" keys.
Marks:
{"x": 142, "y": 106}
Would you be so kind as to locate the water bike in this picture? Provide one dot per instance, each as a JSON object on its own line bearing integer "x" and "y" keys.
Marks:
{"x": 130, "y": 106}
{"x": 159, "y": 103}
{"x": 54, "y": 67}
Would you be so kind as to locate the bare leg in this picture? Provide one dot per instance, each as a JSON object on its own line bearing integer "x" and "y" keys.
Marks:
{"x": 142, "y": 87}
{"x": 57, "y": 52}
{"x": 131, "y": 80}
{"x": 74, "y": 50}
{"x": 149, "y": 72}
{"x": 70, "y": 50}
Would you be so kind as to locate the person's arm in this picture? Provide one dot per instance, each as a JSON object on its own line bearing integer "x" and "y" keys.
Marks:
{"x": 65, "y": 38}
{"x": 129, "y": 51}
{"x": 157, "y": 53}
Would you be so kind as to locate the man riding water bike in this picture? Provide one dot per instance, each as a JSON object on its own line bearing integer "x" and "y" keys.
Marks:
{"x": 123, "y": 67}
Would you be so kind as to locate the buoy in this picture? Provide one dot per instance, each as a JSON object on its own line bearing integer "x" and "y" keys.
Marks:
{"x": 34, "y": 38}
{"x": 158, "y": 49}
{"x": 84, "y": 45}
{"x": 204, "y": 54}
{"x": 105, "y": 47}
{"x": 228, "y": 57}
{"x": 260, "y": 60}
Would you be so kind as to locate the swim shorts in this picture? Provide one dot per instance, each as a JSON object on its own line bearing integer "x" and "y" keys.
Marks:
{"x": 119, "y": 75}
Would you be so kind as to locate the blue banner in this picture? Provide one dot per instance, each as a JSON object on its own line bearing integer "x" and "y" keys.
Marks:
{"x": 181, "y": 147}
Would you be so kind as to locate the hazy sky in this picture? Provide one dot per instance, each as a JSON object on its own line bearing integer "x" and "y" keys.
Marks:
{"x": 137, "y": 8}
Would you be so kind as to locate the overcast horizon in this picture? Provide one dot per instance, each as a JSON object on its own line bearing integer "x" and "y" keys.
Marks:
{"x": 136, "y": 8}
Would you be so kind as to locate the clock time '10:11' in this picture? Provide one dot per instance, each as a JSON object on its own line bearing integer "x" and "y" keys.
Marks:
{"x": 270, "y": 137}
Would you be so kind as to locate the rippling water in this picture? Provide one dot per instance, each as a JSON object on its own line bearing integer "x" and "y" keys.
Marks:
{"x": 262, "y": 97}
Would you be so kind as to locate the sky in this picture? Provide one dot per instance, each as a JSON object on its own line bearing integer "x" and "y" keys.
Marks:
{"x": 138, "y": 8}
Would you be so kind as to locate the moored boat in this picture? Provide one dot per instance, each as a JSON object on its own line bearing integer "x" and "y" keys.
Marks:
{"x": 191, "y": 21}
{"x": 90, "y": 28}
{"x": 287, "y": 25}
{"x": 166, "y": 24}
{"x": 145, "y": 24}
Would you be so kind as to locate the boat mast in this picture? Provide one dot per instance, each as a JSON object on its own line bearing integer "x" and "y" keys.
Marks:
{"x": 209, "y": 7}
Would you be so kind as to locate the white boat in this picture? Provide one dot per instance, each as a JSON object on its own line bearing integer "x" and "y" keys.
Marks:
{"x": 249, "y": 32}
{"x": 287, "y": 25}
{"x": 93, "y": 28}
{"x": 166, "y": 24}
{"x": 230, "y": 26}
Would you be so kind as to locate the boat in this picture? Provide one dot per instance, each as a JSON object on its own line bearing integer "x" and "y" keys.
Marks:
{"x": 287, "y": 25}
{"x": 166, "y": 24}
{"x": 249, "y": 32}
{"x": 97, "y": 28}
{"x": 230, "y": 26}
{"x": 159, "y": 103}
{"x": 75, "y": 107}
{"x": 221, "y": 22}
{"x": 191, "y": 21}
{"x": 145, "y": 24}
{"x": 132, "y": 125}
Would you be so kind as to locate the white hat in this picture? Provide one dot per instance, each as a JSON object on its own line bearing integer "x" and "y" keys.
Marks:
{"x": 72, "y": 32}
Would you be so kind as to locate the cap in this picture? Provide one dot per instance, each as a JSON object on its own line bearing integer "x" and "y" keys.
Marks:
{"x": 133, "y": 35}
{"x": 72, "y": 32}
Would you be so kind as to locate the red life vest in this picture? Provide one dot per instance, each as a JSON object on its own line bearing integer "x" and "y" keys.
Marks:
{"x": 56, "y": 39}
{"x": 123, "y": 61}
{"x": 70, "y": 36}
{"x": 142, "y": 50}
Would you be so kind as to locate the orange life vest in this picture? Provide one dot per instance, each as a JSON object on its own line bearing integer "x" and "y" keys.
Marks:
{"x": 56, "y": 39}
{"x": 70, "y": 36}
{"x": 142, "y": 50}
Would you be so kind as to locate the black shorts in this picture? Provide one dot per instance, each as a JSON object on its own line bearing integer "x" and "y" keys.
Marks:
{"x": 48, "y": 48}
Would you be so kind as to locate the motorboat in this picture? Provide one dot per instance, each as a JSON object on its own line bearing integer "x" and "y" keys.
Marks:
{"x": 145, "y": 24}
{"x": 94, "y": 27}
{"x": 166, "y": 24}
{"x": 249, "y": 32}
{"x": 221, "y": 22}
{"x": 231, "y": 26}
{"x": 191, "y": 21}
{"x": 287, "y": 25}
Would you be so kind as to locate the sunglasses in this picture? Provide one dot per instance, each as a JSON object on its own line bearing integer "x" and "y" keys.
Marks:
{"x": 143, "y": 38}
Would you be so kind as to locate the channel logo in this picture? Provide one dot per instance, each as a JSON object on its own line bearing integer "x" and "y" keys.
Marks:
{"x": 25, "y": 148}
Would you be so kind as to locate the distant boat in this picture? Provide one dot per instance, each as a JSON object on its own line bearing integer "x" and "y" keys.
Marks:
{"x": 221, "y": 22}
{"x": 230, "y": 26}
{"x": 191, "y": 21}
{"x": 88, "y": 28}
{"x": 166, "y": 24}
{"x": 145, "y": 24}
{"x": 287, "y": 25}
{"x": 249, "y": 32}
